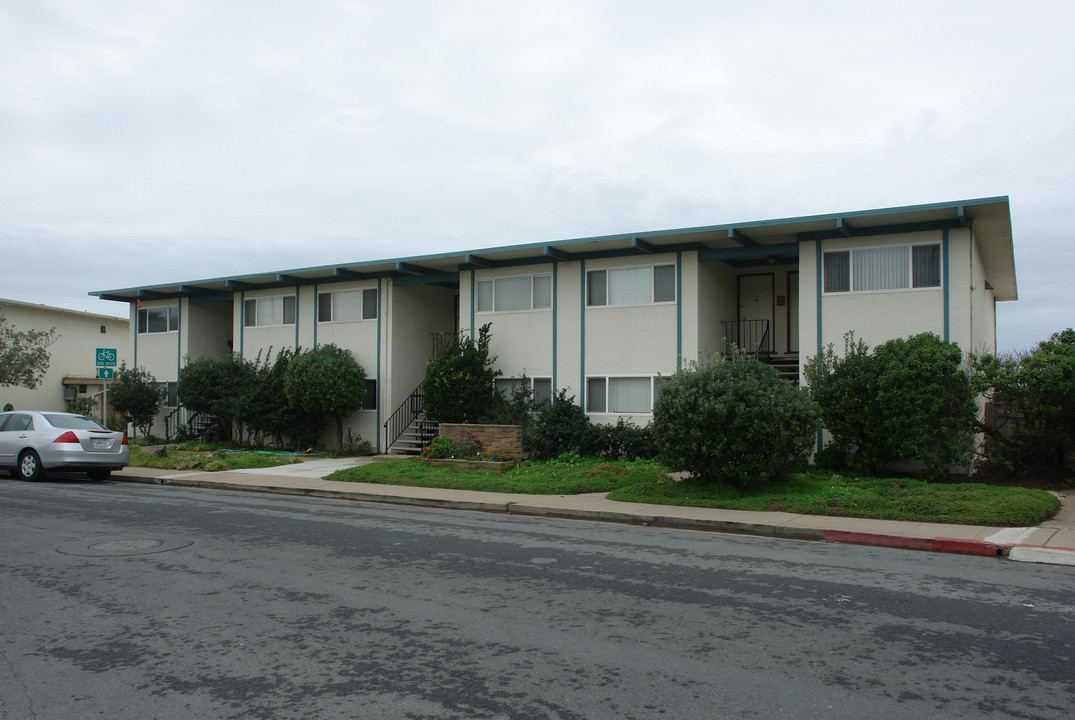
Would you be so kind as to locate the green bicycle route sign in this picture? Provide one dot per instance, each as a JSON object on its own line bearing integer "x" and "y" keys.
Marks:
{"x": 106, "y": 357}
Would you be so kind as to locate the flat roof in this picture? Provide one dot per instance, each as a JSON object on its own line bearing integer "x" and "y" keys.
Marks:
{"x": 743, "y": 243}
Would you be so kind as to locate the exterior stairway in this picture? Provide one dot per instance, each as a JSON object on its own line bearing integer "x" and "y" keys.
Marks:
{"x": 419, "y": 433}
{"x": 787, "y": 366}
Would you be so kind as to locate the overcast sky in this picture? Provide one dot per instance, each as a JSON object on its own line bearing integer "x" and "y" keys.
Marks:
{"x": 150, "y": 142}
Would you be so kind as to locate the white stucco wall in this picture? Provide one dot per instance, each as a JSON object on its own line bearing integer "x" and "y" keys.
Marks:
{"x": 251, "y": 339}
{"x": 716, "y": 302}
{"x": 70, "y": 356}
{"x": 206, "y": 329}
{"x": 521, "y": 340}
{"x": 882, "y": 315}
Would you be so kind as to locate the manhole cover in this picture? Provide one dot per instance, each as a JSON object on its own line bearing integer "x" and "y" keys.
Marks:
{"x": 104, "y": 548}
{"x": 115, "y": 546}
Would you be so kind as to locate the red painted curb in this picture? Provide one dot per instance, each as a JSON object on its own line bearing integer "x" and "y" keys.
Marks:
{"x": 939, "y": 544}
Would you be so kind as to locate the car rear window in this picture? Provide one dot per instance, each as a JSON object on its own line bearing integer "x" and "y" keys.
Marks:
{"x": 73, "y": 422}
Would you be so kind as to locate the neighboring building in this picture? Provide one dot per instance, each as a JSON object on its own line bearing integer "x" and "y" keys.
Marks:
{"x": 607, "y": 317}
{"x": 72, "y": 371}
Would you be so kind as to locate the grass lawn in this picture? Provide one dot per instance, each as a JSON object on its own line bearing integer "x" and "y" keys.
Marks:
{"x": 195, "y": 456}
{"x": 823, "y": 493}
{"x": 531, "y": 477}
{"x": 810, "y": 493}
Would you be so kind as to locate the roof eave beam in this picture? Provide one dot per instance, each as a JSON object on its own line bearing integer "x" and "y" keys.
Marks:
{"x": 642, "y": 246}
{"x": 743, "y": 253}
{"x": 346, "y": 274}
{"x": 476, "y": 262}
{"x": 556, "y": 254}
{"x": 742, "y": 240}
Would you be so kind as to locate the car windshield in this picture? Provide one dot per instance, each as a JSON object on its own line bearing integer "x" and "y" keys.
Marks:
{"x": 73, "y": 422}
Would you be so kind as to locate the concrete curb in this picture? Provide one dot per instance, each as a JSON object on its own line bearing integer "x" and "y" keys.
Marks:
{"x": 935, "y": 544}
{"x": 1013, "y": 551}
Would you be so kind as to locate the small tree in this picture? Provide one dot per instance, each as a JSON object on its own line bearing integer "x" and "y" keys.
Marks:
{"x": 137, "y": 397}
{"x": 24, "y": 355}
{"x": 216, "y": 386}
{"x": 733, "y": 420}
{"x": 326, "y": 381}
{"x": 458, "y": 386}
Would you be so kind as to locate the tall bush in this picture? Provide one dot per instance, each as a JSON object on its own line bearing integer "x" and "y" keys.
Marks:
{"x": 326, "y": 381}
{"x": 1034, "y": 396}
{"x": 266, "y": 411}
{"x": 137, "y": 396}
{"x": 558, "y": 428}
{"x": 458, "y": 386}
{"x": 733, "y": 420}
{"x": 908, "y": 399}
{"x": 216, "y": 386}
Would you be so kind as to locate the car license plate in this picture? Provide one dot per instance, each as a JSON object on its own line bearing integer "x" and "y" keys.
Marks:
{"x": 99, "y": 444}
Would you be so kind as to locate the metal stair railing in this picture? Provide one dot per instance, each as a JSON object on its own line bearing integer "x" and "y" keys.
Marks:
{"x": 749, "y": 335}
{"x": 403, "y": 417}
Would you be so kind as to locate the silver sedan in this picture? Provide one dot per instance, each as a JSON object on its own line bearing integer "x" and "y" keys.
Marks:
{"x": 32, "y": 442}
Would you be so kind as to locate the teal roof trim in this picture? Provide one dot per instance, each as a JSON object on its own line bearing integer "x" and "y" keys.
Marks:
{"x": 763, "y": 233}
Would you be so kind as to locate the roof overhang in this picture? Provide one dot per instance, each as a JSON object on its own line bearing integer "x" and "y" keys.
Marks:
{"x": 738, "y": 244}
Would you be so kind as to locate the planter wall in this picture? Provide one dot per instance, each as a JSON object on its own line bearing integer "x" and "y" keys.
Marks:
{"x": 504, "y": 440}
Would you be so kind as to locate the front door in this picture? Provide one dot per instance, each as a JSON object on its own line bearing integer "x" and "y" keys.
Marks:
{"x": 755, "y": 332}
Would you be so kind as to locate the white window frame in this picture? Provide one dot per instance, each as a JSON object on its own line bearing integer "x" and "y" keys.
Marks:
{"x": 171, "y": 313}
{"x": 911, "y": 287}
{"x": 494, "y": 280}
{"x": 544, "y": 378}
{"x": 606, "y": 300}
{"x": 654, "y": 381}
{"x": 332, "y": 294}
{"x": 283, "y": 311}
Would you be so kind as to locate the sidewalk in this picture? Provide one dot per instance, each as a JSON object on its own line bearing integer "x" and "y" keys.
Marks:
{"x": 1052, "y": 542}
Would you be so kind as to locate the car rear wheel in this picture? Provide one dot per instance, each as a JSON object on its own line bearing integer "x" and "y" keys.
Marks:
{"x": 99, "y": 475}
{"x": 30, "y": 466}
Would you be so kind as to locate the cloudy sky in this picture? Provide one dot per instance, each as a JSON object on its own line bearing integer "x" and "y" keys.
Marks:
{"x": 149, "y": 142}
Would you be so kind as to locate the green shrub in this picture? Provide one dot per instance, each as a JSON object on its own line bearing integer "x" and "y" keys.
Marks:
{"x": 440, "y": 448}
{"x": 458, "y": 386}
{"x": 558, "y": 428}
{"x": 732, "y": 420}
{"x": 216, "y": 386}
{"x": 624, "y": 441}
{"x": 326, "y": 381}
{"x": 136, "y": 396}
{"x": 909, "y": 399}
{"x": 1034, "y": 397}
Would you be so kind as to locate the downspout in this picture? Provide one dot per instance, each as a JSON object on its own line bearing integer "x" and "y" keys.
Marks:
{"x": 679, "y": 309}
{"x": 380, "y": 379}
{"x": 947, "y": 291}
{"x": 819, "y": 286}
{"x": 582, "y": 339}
{"x": 555, "y": 268}
{"x": 242, "y": 320}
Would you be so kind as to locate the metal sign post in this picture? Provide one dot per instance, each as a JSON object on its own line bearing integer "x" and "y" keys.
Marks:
{"x": 106, "y": 361}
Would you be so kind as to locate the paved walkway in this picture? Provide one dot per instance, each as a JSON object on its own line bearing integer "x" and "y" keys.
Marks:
{"x": 1051, "y": 542}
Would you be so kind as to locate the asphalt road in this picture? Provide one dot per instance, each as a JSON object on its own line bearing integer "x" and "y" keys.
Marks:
{"x": 124, "y": 601}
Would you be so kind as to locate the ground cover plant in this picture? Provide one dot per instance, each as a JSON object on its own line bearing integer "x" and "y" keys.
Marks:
{"x": 818, "y": 492}
{"x": 206, "y": 457}
{"x": 570, "y": 475}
